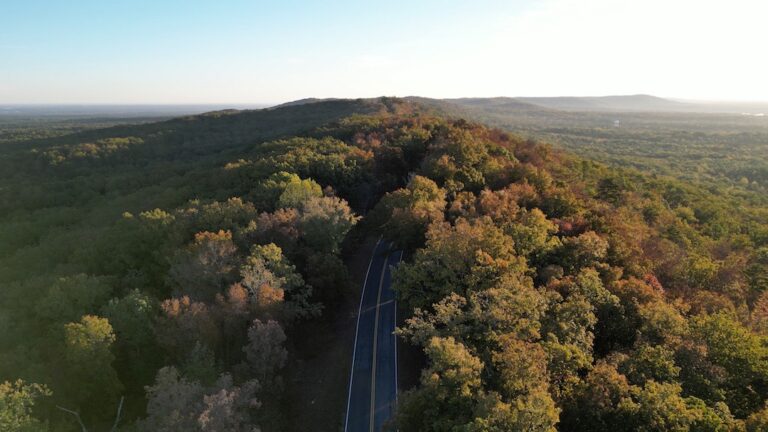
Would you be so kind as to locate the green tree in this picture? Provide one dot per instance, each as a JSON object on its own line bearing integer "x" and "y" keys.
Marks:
{"x": 584, "y": 250}
{"x": 324, "y": 223}
{"x": 448, "y": 391}
{"x": 468, "y": 256}
{"x": 132, "y": 318}
{"x": 405, "y": 214}
{"x": 647, "y": 363}
{"x": 533, "y": 234}
{"x": 533, "y": 412}
{"x": 298, "y": 191}
{"x": 17, "y": 401}
{"x": 742, "y": 354}
{"x": 90, "y": 381}
{"x": 511, "y": 308}
{"x": 522, "y": 367}
{"x": 71, "y": 297}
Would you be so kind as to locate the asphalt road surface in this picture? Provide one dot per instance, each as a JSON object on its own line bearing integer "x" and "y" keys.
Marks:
{"x": 373, "y": 381}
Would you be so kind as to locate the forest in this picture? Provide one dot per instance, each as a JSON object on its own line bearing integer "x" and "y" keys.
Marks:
{"x": 174, "y": 275}
{"x": 718, "y": 150}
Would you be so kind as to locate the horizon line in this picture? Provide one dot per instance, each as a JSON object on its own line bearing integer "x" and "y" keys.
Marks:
{"x": 275, "y": 103}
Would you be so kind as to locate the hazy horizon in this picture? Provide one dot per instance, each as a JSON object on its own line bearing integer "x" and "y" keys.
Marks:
{"x": 180, "y": 53}
{"x": 566, "y": 103}
{"x": 265, "y": 104}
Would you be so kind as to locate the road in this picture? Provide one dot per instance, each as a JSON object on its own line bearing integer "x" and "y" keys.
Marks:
{"x": 373, "y": 380}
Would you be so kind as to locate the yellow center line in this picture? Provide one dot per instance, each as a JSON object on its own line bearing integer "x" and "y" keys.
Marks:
{"x": 375, "y": 342}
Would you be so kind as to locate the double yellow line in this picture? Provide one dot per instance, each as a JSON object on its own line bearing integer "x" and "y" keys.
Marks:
{"x": 375, "y": 343}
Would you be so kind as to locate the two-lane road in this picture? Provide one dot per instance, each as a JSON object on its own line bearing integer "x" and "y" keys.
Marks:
{"x": 373, "y": 380}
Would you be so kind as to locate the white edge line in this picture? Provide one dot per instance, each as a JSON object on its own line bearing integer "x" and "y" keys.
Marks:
{"x": 357, "y": 328}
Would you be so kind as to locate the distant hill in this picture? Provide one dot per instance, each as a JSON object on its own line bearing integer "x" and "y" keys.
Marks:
{"x": 14, "y": 112}
{"x": 538, "y": 107}
{"x": 609, "y": 103}
{"x": 497, "y": 103}
{"x": 193, "y": 137}
{"x": 305, "y": 101}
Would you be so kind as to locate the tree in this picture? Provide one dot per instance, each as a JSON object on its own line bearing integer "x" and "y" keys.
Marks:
{"x": 572, "y": 322}
{"x": 298, "y": 191}
{"x": 175, "y": 403}
{"x": 206, "y": 267}
{"x": 533, "y": 412}
{"x": 584, "y": 250}
{"x": 522, "y": 367}
{"x": 328, "y": 276}
{"x": 280, "y": 227}
{"x": 759, "y": 315}
{"x": 136, "y": 248}
{"x": 90, "y": 380}
{"x": 661, "y": 322}
{"x": 468, "y": 256}
{"x": 647, "y": 363}
{"x": 742, "y": 354}
{"x": 266, "y": 192}
{"x": 448, "y": 391}
{"x": 226, "y": 407}
{"x": 71, "y": 297}
{"x": 566, "y": 363}
{"x": 533, "y": 234}
{"x": 464, "y": 160}
{"x": 699, "y": 271}
{"x": 757, "y": 272}
{"x": 405, "y": 214}
{"x": 324, "y": 223}
{"x": 594, "y": 403}
{"x": 612, "y": 189}
{"x": 274, "y": 286}
{"x": 183, "y": 324}
{"x": 511, "y": 308}
{"x": 132, "y": 318}
{"x": 264, "y": 351}
{"x": 17, "y": 400}
{"x": 758, "y": 421}
{"x": 660, "y": 407}
{"x": 213, "y": 216}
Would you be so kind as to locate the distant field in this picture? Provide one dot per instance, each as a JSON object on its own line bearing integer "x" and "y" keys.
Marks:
{"x": 719, "y": 150}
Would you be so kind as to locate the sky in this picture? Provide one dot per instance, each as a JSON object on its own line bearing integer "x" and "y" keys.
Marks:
{"x": 254, "y": 51}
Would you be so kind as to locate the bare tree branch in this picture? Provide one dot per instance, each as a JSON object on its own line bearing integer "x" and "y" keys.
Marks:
{"x": 80, "y": 420}
{"x": 117, "y": 417}
{"x": 77, "y": 416}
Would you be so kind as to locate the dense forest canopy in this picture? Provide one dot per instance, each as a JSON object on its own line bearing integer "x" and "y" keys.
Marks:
{"x": 177, "y": 266}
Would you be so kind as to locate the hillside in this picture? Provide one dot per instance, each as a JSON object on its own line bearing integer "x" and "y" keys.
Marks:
{"x": 201, "y": 268}
{"x": 610, "y": 103}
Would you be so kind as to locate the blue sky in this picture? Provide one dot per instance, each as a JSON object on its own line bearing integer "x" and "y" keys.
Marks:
{"x": 236, "y": 51}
